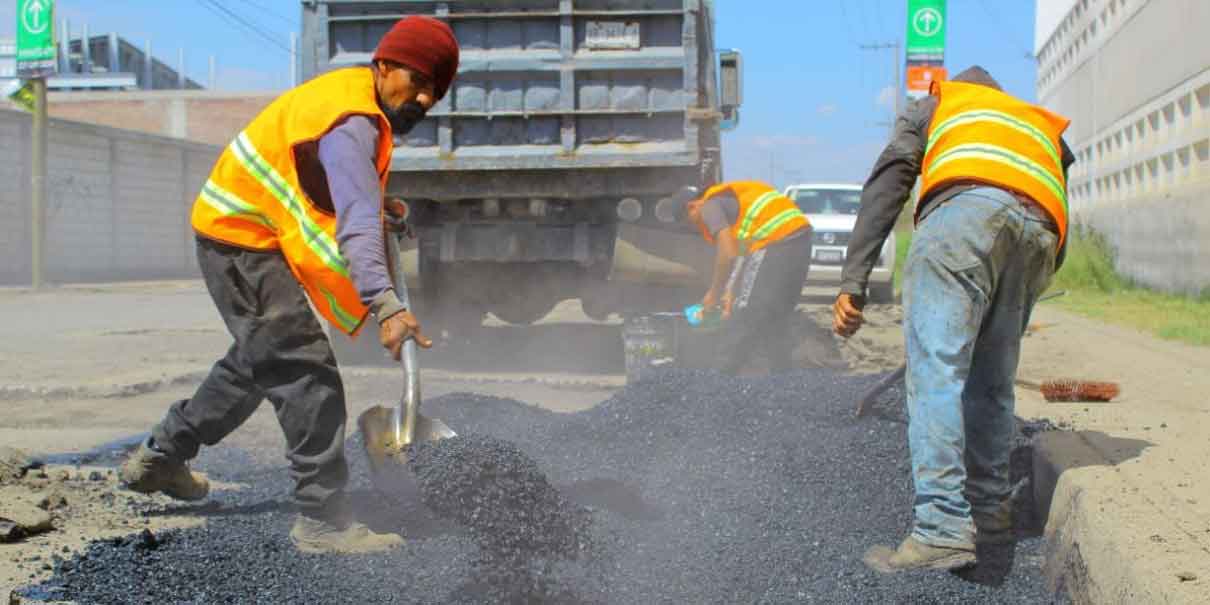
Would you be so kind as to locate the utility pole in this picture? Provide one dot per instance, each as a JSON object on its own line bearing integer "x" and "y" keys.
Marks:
{"x": 36, "y": 61}
{"x": 37, "y": 204}
{"x": 895, "y": 64}
{"x": 293, "y": 59}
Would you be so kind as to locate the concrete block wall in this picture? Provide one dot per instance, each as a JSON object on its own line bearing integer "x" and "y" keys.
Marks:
{"x": 1134, "y": 77}
{"x": 1161, "y": 239}
{"x": 14, "y": 199}
{"x": 208, "y": 117}
{"x": 117, "y": 206}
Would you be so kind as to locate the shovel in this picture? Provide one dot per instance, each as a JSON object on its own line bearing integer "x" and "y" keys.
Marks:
{"x": 387, "y": 432}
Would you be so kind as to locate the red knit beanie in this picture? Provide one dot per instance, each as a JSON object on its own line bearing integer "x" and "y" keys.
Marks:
{"x": 425, "y": 45}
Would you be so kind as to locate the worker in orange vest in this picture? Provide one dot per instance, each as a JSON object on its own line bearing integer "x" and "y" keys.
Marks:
{"x": 763, "y": 243}
{"x": 991, "y": 226}
{"x": 292, "y": 216}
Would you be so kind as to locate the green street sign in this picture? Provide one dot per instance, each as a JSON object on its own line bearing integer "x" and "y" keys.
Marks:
{"x": 35, "y": 38}
{"x": 926, "y": 30}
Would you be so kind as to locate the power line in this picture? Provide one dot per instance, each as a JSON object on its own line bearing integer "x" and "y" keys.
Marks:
{"x": 865, "y": 24}
{"x": 847, "y": 24}
{"x": 230, "y": 16}
{"x": 881, "y": 23}
{"x": 271, "y": 12}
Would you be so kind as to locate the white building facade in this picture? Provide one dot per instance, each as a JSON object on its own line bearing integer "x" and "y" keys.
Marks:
{"x": 1134, "y": 78}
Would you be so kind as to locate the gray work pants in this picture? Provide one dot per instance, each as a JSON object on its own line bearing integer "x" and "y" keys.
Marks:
{"x": 769, "y": 285}
{"x": 281, "y": 354}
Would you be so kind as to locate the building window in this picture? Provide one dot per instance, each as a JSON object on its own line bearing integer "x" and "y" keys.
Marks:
{"x": 1202, "y": 95}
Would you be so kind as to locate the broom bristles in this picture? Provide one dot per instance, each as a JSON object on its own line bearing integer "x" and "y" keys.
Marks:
{"x": 1079, "y": 390}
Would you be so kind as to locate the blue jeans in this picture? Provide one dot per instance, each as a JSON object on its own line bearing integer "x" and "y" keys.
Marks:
{"x": 977, "y": 265}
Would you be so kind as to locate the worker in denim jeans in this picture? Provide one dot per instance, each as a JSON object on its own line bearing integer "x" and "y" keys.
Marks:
{"x": 991, "y": 228}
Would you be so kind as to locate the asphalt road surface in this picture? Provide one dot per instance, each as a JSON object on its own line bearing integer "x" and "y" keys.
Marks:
{"x": 692, "y": 488}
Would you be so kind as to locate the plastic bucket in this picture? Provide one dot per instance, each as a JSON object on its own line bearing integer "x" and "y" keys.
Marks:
{"x": 649, "y": 343}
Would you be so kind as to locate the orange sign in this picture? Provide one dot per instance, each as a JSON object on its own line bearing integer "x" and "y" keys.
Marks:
{"x": 920, "y": 77}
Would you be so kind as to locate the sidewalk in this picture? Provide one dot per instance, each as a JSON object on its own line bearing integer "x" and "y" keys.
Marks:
{"x": 105, "y": 340}
{"x": 1127, "y": 489}
{"x": 82, "y": 365}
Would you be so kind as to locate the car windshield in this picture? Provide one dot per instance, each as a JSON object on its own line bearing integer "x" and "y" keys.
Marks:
{"x": 827, "y": 201}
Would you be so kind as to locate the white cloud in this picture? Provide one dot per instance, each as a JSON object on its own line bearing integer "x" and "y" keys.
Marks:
{"x": 827, "y": 110}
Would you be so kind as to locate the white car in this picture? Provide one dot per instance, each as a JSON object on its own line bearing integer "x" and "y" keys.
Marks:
{"x": 832, "y": 210}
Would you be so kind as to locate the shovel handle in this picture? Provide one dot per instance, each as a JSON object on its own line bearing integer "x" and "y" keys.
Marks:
{"x": 409, "y": 404}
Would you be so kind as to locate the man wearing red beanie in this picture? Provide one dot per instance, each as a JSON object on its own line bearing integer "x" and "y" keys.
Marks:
{"x": 292, "y": 216}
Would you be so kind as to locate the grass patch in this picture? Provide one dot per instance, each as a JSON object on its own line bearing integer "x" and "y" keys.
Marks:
{"x": 1095, "y": 289}
{"x": 903, "y": 241}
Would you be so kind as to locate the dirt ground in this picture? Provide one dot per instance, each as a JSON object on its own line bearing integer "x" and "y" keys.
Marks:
{"x": 84, "y": 366}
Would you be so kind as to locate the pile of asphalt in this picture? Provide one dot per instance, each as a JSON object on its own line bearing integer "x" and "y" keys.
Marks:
{"x": 693, "y": 487}
{"x": 521, "y": 523}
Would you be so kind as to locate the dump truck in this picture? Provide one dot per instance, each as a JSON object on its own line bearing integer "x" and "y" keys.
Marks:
{"x": 550, "y": 170}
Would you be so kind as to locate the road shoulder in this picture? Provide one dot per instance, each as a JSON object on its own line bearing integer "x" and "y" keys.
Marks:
{"x": 1124, "y": 491}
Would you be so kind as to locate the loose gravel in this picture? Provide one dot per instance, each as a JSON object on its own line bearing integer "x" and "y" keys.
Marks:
{"x": 691, "y": 488}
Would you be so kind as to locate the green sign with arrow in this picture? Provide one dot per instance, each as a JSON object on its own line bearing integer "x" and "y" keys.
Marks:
{"x": 35, "y": 38}
{"x": 926, "y": 30}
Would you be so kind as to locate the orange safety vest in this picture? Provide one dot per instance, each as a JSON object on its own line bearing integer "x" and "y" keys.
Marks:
{"x": 765, "y": 215}
{"x": 983, "y": 135}
{"x": 253, "y": 198}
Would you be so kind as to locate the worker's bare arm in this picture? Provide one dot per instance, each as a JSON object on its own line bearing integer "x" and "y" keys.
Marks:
{"x": 724, "y": 260}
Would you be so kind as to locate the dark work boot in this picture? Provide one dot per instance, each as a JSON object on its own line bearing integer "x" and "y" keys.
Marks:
{"x": 333, "y": 530}
{"x": 148, "y": 471}
{"x": 994, "y": 525}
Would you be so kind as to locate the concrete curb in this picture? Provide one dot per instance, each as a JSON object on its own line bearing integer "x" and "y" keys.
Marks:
{"x": 1100, "y": 529}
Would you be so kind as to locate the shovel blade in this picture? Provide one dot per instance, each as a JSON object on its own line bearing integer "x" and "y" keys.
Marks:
{"x": 378, "y": 437}
{"x": 432, "y": 429}
{"x": 384, "y": 448}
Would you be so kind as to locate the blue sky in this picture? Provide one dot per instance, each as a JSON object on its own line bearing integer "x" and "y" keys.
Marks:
{"x": 812, "y": 98}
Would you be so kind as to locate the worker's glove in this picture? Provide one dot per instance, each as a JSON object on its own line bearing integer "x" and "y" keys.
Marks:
{"x": 847, "y": 314}
{"x": 398, "y": 328}
{"x": 395, "y": 216}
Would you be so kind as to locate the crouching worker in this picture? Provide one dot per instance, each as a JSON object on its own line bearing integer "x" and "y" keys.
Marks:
{"x": 764, "y": 251}
{"x": 292, "y": 216}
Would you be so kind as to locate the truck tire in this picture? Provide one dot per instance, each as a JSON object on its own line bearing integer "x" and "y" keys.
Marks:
{"x": 523, "y": 312}
{"x": 596, "y": 310}
{"x": 883, "y": 293}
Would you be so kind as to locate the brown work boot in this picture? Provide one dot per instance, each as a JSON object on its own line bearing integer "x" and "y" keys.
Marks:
{"x": 339, "y": 534}
{"x": 913, "y": 554}
{"x": 148, "y": 471}
{"x": 994, "y": 526}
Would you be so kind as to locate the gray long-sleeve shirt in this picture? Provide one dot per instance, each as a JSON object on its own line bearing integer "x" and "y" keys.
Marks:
{"x": 347, "y": 157}
{"x": 889, "y": 187}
